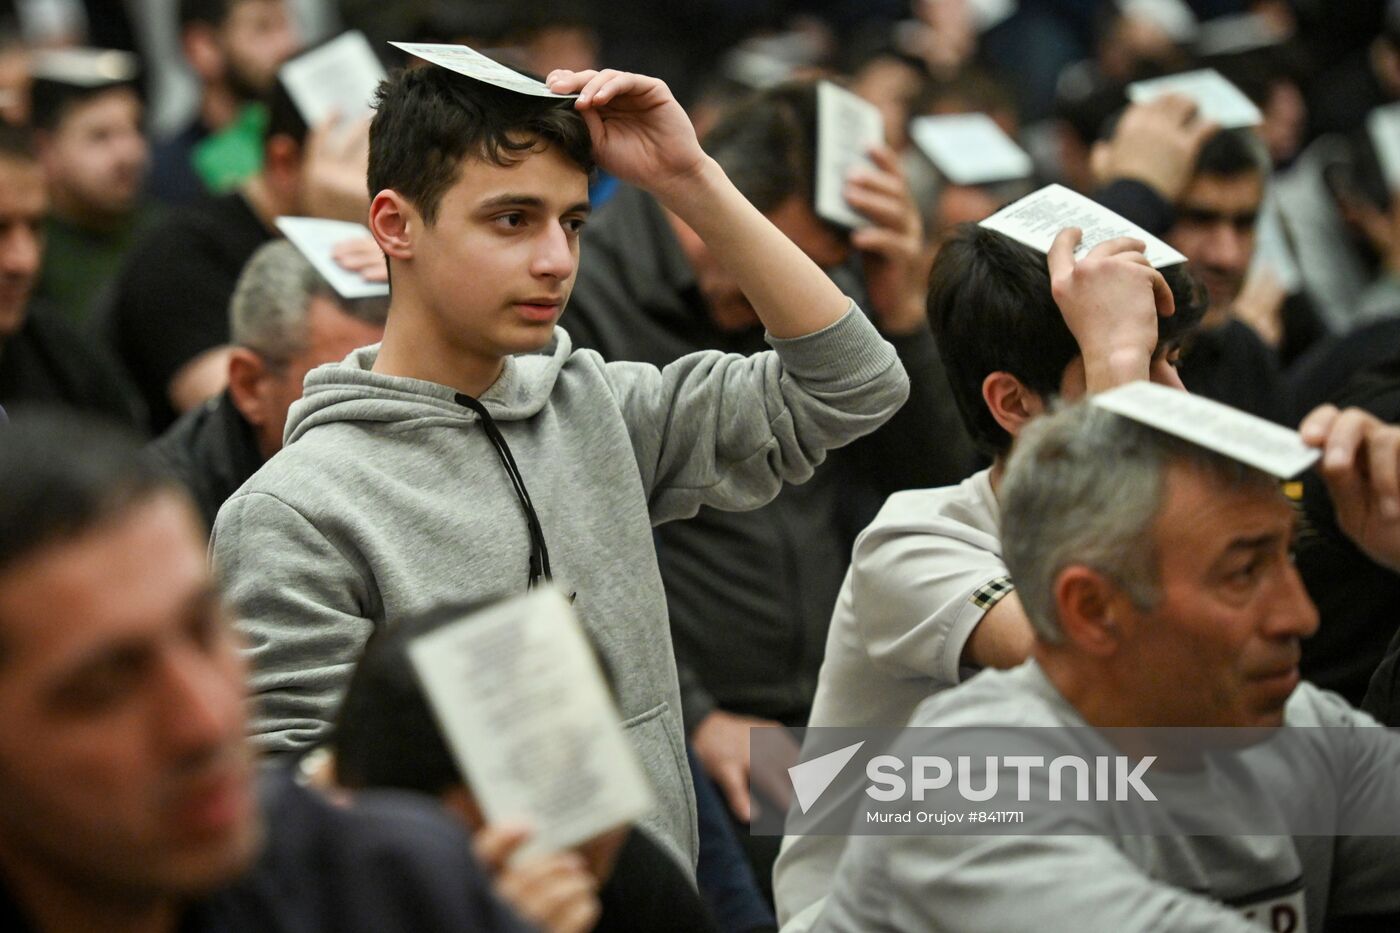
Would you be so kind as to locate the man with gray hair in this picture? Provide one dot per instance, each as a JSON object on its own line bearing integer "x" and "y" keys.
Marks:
{"x": 285, "y": 320}
{"x": 1158, "y": 580}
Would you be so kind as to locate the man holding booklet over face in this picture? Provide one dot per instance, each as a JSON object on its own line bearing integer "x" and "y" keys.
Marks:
{"x": 441, "y": 466}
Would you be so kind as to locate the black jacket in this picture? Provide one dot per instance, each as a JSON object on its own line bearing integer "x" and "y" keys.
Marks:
{"x": 212, "y": 450}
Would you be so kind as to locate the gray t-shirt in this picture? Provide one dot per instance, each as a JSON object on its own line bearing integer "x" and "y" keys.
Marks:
{"x": 1123, "y": 881}
{"x": 922, "y": 576}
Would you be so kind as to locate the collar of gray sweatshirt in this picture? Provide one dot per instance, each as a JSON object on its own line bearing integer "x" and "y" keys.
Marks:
{"x": 390, "y": 498}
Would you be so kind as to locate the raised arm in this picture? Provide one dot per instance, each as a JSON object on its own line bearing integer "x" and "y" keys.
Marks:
{"x": 642, "y": 136}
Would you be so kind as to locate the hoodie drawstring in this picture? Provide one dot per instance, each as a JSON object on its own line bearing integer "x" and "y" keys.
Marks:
{"x": 539, "y": 551}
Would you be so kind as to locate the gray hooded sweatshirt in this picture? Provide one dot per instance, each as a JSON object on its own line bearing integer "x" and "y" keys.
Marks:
{"x": 389, "y": 499}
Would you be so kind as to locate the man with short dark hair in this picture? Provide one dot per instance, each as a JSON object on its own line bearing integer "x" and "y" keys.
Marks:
{"x": 1157, "y": 576}
{"x": 42, "y": 357}
{"x": 456, "y": 460}
{"x": 1214, "y": 227}
{"x": 128, "y": 799}
{"x": 169, "y": 319}
{"x": 234, "y": 48}
{"x": 94, "y": 152}
{"x": 284, "y": 320}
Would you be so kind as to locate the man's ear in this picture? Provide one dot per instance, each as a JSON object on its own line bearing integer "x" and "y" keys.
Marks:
{"x": 1010, "y": 402}
{"x": 246, "y": 370}
{"x": 282, "y": 164}
{"x": 1091, "y": 610}
{"x": 201, "y": 48}
{"x": 394, "y": 223}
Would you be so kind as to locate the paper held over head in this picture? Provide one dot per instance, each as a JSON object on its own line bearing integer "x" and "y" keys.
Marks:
{"x": 527, "y": 716}
{"x": 1383, "y": 124}
{"x": 317, "y": 238}
{"x": 473, "y": 64}
{"x": 1227, "y": 431}
{"x": 1036, "y": 219}
{"x": 337, "y": 78}
{"x": 970, "y": 149}
{"x": 848, "y": 127}
{"x": 1215, "y": 98}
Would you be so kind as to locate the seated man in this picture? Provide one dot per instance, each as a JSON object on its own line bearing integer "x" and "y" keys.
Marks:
{"x": 94, "y": 154}
{"x": 927, "y": 597}
{"x": 284, "y": 320}
{"x": 168, "y": 320}
{"x": 386, "y": 736}
{"x": 455, "y": 461}
{"x": 42, "y": 356}
{"x": 128, "y": 798}
{"x": 1158, "y": 580}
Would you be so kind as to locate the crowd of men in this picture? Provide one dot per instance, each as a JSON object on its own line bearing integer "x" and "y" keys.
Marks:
{"x": 788, "y": 472}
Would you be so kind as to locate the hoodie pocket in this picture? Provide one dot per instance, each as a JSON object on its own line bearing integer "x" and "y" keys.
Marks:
{"x": 656, "y": 736}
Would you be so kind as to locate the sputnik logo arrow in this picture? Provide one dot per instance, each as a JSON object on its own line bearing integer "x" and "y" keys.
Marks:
{"x": 810, "y": 779}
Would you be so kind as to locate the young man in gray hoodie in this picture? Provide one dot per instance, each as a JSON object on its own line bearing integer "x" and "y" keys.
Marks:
{"x": 440, "y": 465}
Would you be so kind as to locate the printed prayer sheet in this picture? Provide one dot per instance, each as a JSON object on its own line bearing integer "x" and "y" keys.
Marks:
{"x": 970, "y": 149}
{"x": 528, "y": 717}
{"x": 1036, "y": 219}
{"x": 1228, "y": 431}
{"x": 847, "y": 128}
{"x": 338, "y": 78}
{"x": 1216, "y": 98}
{"x": 317, "y": 238}
{"x": 474, "y": 65}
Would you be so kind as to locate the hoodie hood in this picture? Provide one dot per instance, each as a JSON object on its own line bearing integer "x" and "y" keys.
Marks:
{"x": 351, "y": 391}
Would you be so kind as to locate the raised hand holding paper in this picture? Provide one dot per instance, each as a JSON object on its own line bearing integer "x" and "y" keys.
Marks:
{"x": 970, "y": 149}
{"x": 847, "y": 128}
{"x": 1217, "y": 99}
{"x": 317, "y": 238}
{"x": 1038, "y": 217}
{"x": 473, "y": 64}
{"x": 1225, "y": 430}
{"x": 339, "y": 77}
{"x": 525, "y": 711}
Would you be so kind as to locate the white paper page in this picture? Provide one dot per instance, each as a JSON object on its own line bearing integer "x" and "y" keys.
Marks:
{"x": 970, "y": 149}
{"x": 527, "y": 715}
{"x": 340, "y": 77}
{"x": 1225, "y": 430}
{"x": 1216, "y": 98}
{"x": 1173, "y": 17}
{"x": 316, "y": 238}
{"x": 1037, "y": 219}
{"x": 474, "y": 65}
{"x": 847, "y": 127}
{"x": 989, "y": 13}
{"x": 1383, "y": 123}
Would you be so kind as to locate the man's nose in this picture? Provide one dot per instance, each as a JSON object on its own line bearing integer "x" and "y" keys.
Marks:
{"x": 554, "y": 253}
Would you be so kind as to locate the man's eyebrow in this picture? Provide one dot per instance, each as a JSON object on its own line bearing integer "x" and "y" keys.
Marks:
{"x": 126, "y": 650}
{"x": 1256, "y": 542}
{"x": 530, "y": 201}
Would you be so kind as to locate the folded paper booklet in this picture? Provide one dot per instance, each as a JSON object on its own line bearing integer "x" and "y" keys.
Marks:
{"x": 317, "y": 238}
{"x": 473, "y": 64}
{"x": 527, "y": 715}
{"x": 1228, "y": 431}
{"x": 847, "y": 128}
{"x": 1216, "y": 98}
{"x": 970, "y": 149}
{"x": 337, "y": 78}
{"x": 1037, "y": 219}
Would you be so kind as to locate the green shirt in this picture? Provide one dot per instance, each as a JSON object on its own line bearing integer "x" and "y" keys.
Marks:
{"x": 80, "y": 263}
